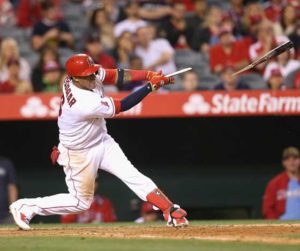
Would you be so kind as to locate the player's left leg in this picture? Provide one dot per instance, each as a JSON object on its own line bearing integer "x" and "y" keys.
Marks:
{"x": 115, "y": 162}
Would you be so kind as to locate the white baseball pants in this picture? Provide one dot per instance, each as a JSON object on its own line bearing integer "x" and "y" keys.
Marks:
{"x": 81, "y": 167}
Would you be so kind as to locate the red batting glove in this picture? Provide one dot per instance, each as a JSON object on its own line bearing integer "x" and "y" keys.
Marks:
{"x": 151, "y": 74}
{"x": 158, "y": 81}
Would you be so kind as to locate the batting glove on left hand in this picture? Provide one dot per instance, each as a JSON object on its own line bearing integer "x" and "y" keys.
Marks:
{"x": 157, "y": 81}
{"x": 151, "y": 74}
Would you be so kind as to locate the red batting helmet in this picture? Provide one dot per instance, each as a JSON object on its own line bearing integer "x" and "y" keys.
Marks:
{"x": 81, "y": 65}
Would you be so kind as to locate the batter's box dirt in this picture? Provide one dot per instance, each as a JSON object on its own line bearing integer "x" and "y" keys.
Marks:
{"x": 277, "y": 234}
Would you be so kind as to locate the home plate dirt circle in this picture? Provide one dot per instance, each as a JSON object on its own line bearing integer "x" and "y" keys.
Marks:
{"x": 276, "y": 234}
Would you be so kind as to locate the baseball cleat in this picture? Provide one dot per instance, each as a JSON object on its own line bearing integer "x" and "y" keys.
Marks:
{"x": 19, "y": 218}
{"x": 182, "y": 222}
{"x": 175, "y": 217}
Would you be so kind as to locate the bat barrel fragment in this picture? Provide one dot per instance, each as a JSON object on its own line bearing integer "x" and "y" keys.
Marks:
{"x": 272, "y": 53}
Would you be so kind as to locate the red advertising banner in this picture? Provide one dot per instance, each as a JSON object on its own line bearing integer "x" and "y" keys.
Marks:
{"x": 158, "y": 105}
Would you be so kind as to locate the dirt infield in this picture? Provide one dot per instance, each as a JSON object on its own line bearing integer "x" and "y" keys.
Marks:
{"x": 276, "y": 234}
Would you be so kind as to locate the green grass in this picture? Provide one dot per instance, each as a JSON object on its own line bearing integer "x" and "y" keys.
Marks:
{"x": 162, "y": 223}
{"x": 93, "y": 244}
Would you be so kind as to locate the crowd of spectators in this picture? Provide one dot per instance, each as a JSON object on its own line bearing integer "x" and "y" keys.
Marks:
{"x": 216, "y": 38}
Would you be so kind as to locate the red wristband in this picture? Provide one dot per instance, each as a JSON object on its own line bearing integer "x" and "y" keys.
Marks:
{"x": 137, "y": 75}
{"x": 117, "y": 104}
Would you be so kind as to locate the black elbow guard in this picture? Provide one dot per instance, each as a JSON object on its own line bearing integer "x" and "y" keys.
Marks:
{"x": 120, "y": 79}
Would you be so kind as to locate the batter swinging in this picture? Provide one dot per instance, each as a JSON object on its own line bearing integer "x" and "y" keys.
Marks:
{"x": 85, "y": 146}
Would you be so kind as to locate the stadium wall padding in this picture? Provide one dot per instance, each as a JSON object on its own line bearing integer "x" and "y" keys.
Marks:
{"x": 204, "y": 164}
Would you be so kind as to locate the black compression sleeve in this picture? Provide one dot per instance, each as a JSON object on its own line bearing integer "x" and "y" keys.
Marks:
{"x": 135, "y": 97}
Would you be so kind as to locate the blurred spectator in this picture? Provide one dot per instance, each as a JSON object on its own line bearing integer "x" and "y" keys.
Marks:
{"x": 253, "y": 16}
{"x": 236, "y": 12}
{"x": 50, "y": 31}
{"x": 296, "y": 3}
{"x": 288, "y": 20}
{"x": 228, "y": 52}
{"x": 275, "y": 80}
{"x": 282, "y": 196}
{"x": 112, "y": 9}
{"x": 266, "y": 40}
{"x": 8, "y": 189}
{"x": 123, "y": 50}
{"x": 14, "y": 84}
{"x": 29, "y": 12}
{"x": 174, "y": 30}
{"x": 156, "y": 54}
{"x": 135, "y": 64}
{"x": 284, "y": 63}
{"x": 148, "y": 214}
{"x": 101, "y": 210}
{"x": 48, "y": 54}
{"x": 294, "y": 35}
{"x": 94, "y": 48}
{"x": 295, "y": 38}
{"x": 155, "y": 11}
{"x": 196, "y": 19}
{"x": 7, "y": 14}
{"x": 189, "y": 4}
{"x": 132, "y": 22}
{"x": 207, "y": 34}
{"x": 190, "y": 81}
{"x": 296, "y": 80}
{"x": 9, "y": 50}
{"x": 273, "y": 9}
{"x": 230, "y": 82}
{"x": 101, "y": 25}
{"x": 228, "y": 23}
{"x": 197, "y": 14}
{"x": 52, "y": 77}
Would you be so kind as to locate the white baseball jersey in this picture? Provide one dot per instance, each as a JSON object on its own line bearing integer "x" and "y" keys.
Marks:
{"x": 81, "y": 121}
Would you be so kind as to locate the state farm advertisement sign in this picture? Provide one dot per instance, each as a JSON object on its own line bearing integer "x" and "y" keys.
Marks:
{"x": 256, "y": 103}
{"x": 158, "y": 105}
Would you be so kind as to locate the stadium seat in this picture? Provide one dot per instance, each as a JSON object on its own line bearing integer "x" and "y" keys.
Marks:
{"x": 289, "y": 80}
{"x": 199, "y": 63}
{"x": 254, "y": 80}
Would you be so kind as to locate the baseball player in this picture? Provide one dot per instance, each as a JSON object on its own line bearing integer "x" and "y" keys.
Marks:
{"x": 85, "y": 146}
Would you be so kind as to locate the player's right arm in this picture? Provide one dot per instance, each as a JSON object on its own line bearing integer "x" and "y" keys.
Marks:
{"x": 119, "y": 76}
